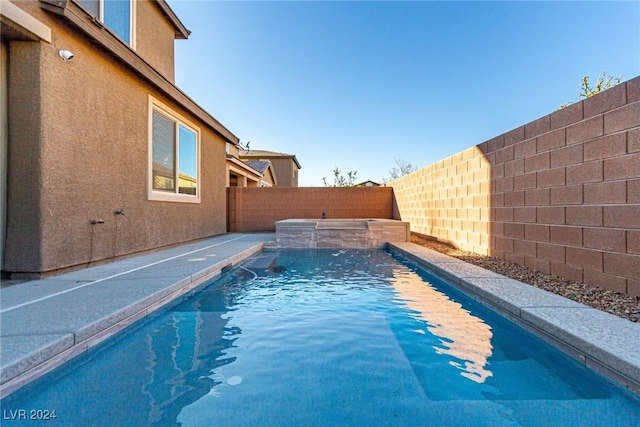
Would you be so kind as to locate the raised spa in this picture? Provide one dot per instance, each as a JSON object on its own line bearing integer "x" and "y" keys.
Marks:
{"x": 340, "y": 233}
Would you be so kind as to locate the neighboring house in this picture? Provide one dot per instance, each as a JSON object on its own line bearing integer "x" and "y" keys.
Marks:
{"x": 105, "y": 155}
{"x": 247, "y": 174}
{"x": 368, "y": 183}
{"x": 286, "y": 166}
{"x": 266, "y": 169}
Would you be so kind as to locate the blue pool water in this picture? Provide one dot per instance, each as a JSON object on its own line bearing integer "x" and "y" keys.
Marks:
{"x": 325, "y": 338}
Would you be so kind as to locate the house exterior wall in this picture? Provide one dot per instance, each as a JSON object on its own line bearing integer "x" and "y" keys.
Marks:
{"x": 78, "y": 151}
{"x": 282, "y": 169}
{"x": 4, "y": 136}
{"x": 560, "y": 194}
{"x": 17, "y": 26}
{"x": 269, "y": 178}
{"x": 286, "y": 172}
{"x": 155, "y": 38}
{"x": 257, "y": 209}
{"x": 24, "y": 186}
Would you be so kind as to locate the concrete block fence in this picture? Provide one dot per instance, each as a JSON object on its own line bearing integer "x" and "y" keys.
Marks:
{"x": 257, "y": 209}
{"x": 560, "y": 194}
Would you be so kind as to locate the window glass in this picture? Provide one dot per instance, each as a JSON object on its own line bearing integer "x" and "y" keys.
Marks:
{"x": 163, "y": 152}
{"x": 187, "y": 160}
{"x": 92, "y": 6}
{"x": 174, "y": 149}
{"x": 117, "y": 16}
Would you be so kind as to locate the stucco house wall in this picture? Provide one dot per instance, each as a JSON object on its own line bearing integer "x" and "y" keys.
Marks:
{"x": 155, "y": 38}
{"x": 286, "y": 171}
{"x": 79, "y": 152}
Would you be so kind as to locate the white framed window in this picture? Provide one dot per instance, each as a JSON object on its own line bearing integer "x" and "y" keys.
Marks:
{"x": 117, "y": 15}
{"x": 174, "y": 156}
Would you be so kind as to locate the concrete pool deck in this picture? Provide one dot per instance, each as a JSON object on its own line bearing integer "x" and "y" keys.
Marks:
{"x": 44, "y": 323}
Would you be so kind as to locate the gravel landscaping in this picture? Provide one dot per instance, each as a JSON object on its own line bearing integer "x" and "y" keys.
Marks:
{"x": 615, "y": 303}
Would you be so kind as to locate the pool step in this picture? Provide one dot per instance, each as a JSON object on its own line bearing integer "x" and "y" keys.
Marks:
{"x": 270, "y": 245}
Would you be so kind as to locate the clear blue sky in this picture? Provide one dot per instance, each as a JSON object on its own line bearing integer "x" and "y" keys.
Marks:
{"x": 357, "y": 84}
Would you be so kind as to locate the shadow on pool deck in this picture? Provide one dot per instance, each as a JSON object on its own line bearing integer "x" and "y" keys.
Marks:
{"x": 45, "y": 323}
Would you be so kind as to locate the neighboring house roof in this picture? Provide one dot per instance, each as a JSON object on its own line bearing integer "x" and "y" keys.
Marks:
{"x": 368, "y": 183}
{"x": 76, "y": 15}
{"x": 263, "y": 169}
{"x": 259, "y": 165}
{"x": 243, "y": 165}
{"x": 264, "y": 154}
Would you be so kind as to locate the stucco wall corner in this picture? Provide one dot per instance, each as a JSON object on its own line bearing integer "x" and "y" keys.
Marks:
{"x": 15, "y": 23}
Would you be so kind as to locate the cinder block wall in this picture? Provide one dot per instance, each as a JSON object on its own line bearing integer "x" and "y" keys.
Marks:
{"x": 560, "y": 194}
{"x": 449, "y": 200}
{"x": 257, "y": 209}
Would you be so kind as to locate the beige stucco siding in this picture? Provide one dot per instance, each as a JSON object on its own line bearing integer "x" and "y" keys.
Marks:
{"x": 155, "y": 38}
{"x": 81, "y": 153}
{"x": 24, "y": 185}
{"x": 284, "y": 171}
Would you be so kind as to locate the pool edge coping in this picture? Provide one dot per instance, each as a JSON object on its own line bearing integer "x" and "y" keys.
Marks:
{"x": 609, "y": 362}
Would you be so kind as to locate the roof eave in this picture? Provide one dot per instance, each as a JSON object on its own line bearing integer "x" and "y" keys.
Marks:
{"x": 297, "y": 162}
{"x": 243, "y": 165}
{"x": 181, "y": 31}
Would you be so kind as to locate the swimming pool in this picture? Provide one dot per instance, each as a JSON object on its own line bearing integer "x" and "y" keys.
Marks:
{"x": 325, "y": 337}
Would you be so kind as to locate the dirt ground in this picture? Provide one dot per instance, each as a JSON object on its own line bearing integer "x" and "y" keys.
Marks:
{"x": 615, "y": 303}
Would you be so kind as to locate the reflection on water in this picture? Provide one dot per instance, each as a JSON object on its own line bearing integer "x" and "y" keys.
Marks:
{"x": 186, "y": 353}
{"x": 148, "y": 376}
{"x": 463, "y": 336}
{"x": 180, "y": 358}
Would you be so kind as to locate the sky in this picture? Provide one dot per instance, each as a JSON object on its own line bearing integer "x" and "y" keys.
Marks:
{"x": 358, "y": 85}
